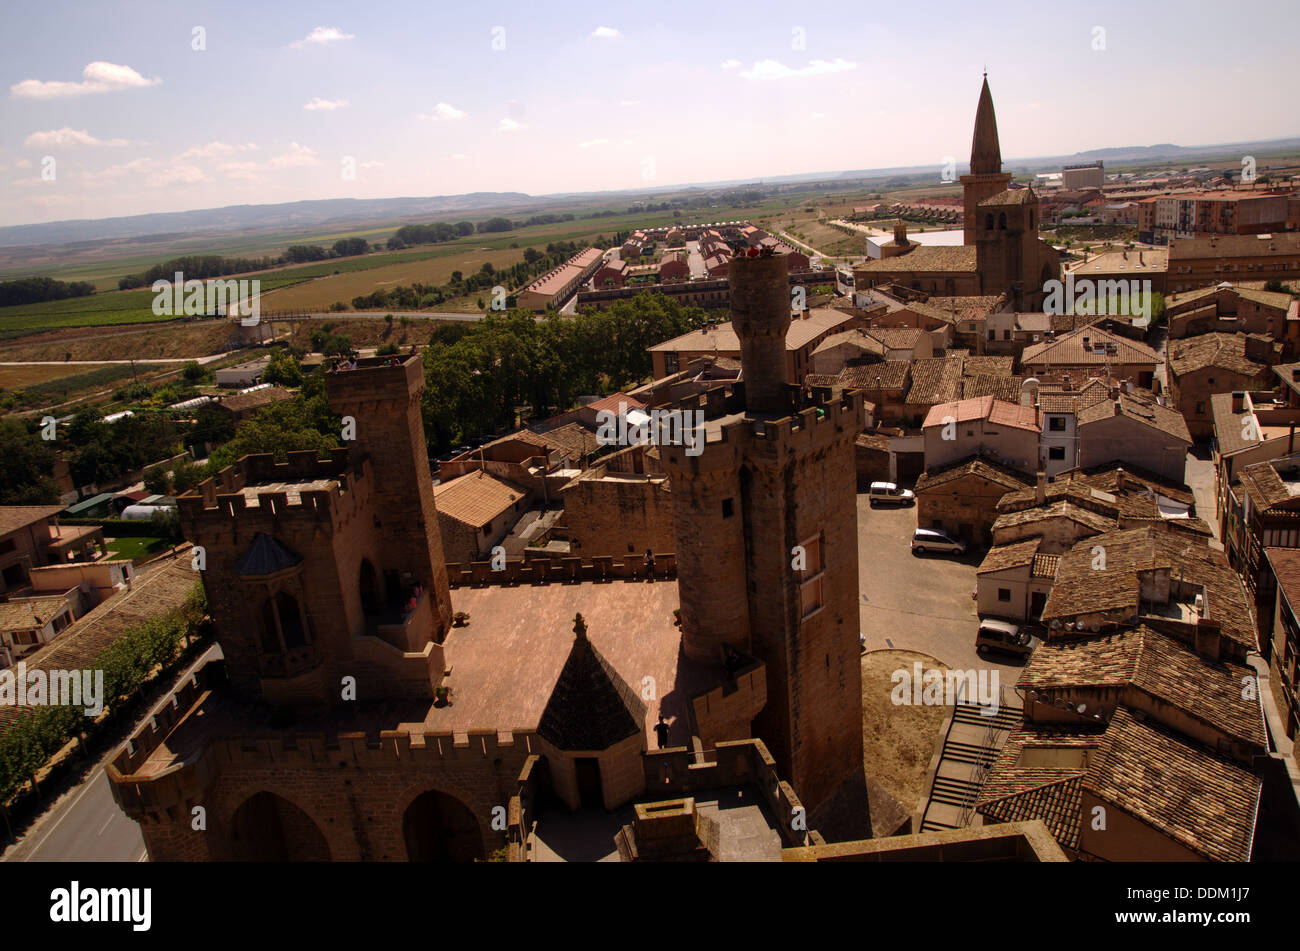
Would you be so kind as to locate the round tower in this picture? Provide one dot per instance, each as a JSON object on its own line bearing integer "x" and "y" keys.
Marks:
{"x": 760, "y": 315}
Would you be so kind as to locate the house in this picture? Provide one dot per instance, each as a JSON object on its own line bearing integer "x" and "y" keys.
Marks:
{"x": 611, "y": 274}
{"x": 871, "y": 345}
{"x": 245, "y": 405}
{"x": 990, "y": 428}
{"x": 1284, "y": 669}
{"x": 1135, "y": 430}
{"x": 620, "y": 506}
{"x": 30, "y": 537}
{"x": 962, "y": 499}
{"x": 1270, "y": 493}
{"x": 1090, "y": 351}
{"x": 1229, "y": 309}
{"x": 245, "y": 374}
{"x": 1014, "y": 580}
{"x": 475, "y": 512}
{"x": 1248, "y": 428}
{"x": 1201, "y": 366}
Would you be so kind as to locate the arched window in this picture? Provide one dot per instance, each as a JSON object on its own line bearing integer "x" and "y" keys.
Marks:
{"x": 290, "y": 620}
{"x": 988, "y": 221}
{"x": 372, "y": 602}
{"x": 1002, "y": 221}
{"x": 1031, "y": 217}
{"x": 269, "y": 634}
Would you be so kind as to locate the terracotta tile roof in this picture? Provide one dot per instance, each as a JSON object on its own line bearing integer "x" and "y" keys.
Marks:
{"x": 1046, "y": 566}
{"x": 1228, "y": 431}
{"x": 892, "y": 375}
{"x": 968, "y": 306}
{"x": 1286, "y": 567}
{"x": 1223, "y": 351}
{"x": 14, "y": 518}
{"x": 958, "y": 258}
{"x": 615, "y": 402}
{"x": 991, "y": 366}
{"x": 1163, "y": 418}
{"x": 477, "y": 498}
{"x": 1266, "y": 488}
{"x": 1056, "y": 803}
{"x": 1063, "y": 509}
{"x": 1204, "y": 802}
{"x": 858, "y": 339}
{"x": 243, "y": 402}
{"x": 1068, "y": 350}
{"x": 1155, "y": 664}
{"x": 1012, "y": 196}
{"x": 1082, "y": 589}
{"x": 935, "y": 380}
{"x": 154, "y": 592}
{"x": 981, "y": 468}
{"x": 1006, "y": 388}
{"x": 1016, "y": 555}
{"x": 1235, "y": 246}
{"x": 571, "y": 438}
{"x": 26, "y": 614}
{"x": 996, "y": 412}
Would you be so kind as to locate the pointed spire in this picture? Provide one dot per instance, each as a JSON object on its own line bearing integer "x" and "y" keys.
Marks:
{"x": 985, "y": 152}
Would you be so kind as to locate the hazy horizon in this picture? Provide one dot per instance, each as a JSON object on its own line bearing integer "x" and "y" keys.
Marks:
{"x": 324, "y": 101}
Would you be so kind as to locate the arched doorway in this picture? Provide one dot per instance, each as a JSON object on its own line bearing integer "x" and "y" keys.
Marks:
{"x": 440, "y": 828}
{"x": 372, "y": 600}
{"x": 269, "y": 828}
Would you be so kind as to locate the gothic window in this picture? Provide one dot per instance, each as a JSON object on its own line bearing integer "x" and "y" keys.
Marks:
{"x": 1002, "y": 221}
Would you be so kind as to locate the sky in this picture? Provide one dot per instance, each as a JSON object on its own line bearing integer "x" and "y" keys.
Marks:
{"x": 118, "y": 108}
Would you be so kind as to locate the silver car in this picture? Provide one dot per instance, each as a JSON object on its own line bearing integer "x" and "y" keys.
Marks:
{"x": 931, "y": 539}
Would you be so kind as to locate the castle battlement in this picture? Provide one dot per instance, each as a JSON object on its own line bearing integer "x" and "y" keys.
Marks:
{"x": 304, "y": 487}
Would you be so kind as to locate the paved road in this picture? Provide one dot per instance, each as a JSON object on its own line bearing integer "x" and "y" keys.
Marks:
{"x": 85, "y": 824}
{"x": 1203, "y": 479}
{"x": 916, "y": 603}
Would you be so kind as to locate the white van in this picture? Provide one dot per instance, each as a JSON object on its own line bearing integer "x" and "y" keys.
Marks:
{"x": 887, "y": 493}
{"x": 931, "y": 539}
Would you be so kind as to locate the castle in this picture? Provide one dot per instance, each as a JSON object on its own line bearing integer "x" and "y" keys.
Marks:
{"x": 355, "y": 716}
{"x": 1001, "y": 252}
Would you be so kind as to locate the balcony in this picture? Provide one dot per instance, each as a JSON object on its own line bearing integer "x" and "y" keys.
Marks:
{"x": 296, "y": 661}
{"x": 406, "y": 629}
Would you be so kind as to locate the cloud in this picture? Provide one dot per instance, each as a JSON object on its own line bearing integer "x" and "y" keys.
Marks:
{"x": 731, "y": 64}
{"x": 457, "y": 157}
{"x": 510, "y": 125}
{"x": 590, "y": 142}
{"x": 606, "y": 33}
{"x": 156, "y": 173}
{"x": 320, "y": 36}
{"x": 98, "y": 77}
{"x": 22, "y": 163}
{"x": 296, "y": 157}
{"x": 329, "y": 105}
{"x": 772, "y": 69}
{"x": 214, "y": 150}
{"x": 372, "y": 164}
{"x": 68, "y": 138}
{"x": 444, "y": 111}
{"x": 248, "y": 171}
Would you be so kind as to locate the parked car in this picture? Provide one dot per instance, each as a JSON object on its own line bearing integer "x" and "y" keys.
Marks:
{"x": 931, "y": 539}
{"x": 1006, "y": 636}
{"x": 887, "y": 493}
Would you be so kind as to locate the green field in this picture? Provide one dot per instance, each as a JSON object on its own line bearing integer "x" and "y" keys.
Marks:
{"x": 137, "y": 549}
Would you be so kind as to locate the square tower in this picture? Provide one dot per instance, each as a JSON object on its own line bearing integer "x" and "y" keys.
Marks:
{"x": 767, "y": 548}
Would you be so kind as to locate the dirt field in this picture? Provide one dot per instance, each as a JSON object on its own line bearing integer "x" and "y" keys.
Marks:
{"x": 323, "y": 291}
{"x": 179, "y": 341}
{"x": 15, "y": 378}
{"x": 898, "y": 741}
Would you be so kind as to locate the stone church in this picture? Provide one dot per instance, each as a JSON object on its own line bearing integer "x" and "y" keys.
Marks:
{"x": 1000, "y": 253}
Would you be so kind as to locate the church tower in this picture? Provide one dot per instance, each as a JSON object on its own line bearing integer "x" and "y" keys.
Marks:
{"x": 986, "y": 177}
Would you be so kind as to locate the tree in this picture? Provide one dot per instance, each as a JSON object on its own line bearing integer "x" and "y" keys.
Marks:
{"x": 26, "y": 466}
{"x": 194, "y": 373}
{"x": 282, "y": 369}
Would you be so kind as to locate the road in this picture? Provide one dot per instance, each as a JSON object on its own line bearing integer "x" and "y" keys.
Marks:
{"x": 85, "y": 823}
{"x": 923, "y": 604}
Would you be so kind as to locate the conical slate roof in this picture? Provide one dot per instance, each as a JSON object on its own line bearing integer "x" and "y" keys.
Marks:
{"x": 591, "y": 707}
{"x": 985, "y": 152}
{"x": 265, "y": 556}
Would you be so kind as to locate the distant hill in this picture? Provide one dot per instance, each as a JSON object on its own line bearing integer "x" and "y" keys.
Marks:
{"x": 289, "y": 215}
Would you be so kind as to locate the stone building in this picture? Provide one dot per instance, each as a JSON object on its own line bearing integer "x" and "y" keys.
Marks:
{"x": 1202, "y": 366}
{"x": 766, "y": 525}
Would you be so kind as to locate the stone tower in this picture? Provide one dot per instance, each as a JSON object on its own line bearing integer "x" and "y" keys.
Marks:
{"x": 986, "y": 177}
{"x": 322, "y": 569}
{"x": 765, "y": 519}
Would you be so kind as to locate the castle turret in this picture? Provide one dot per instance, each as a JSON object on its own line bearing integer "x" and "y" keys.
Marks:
{"x": 760, "y": 314}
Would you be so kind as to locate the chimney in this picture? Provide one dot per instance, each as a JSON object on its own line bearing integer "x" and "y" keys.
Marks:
{"x": 1040, "y": 487}
{"x": 1208, "y": 638}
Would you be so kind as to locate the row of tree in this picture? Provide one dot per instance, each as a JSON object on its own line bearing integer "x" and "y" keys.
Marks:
{"x": 35, "y": 290}
{"x": 198, "y": 267}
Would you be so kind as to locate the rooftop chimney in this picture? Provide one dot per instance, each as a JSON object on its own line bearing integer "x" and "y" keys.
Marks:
{"x": 1040, "y": 487}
